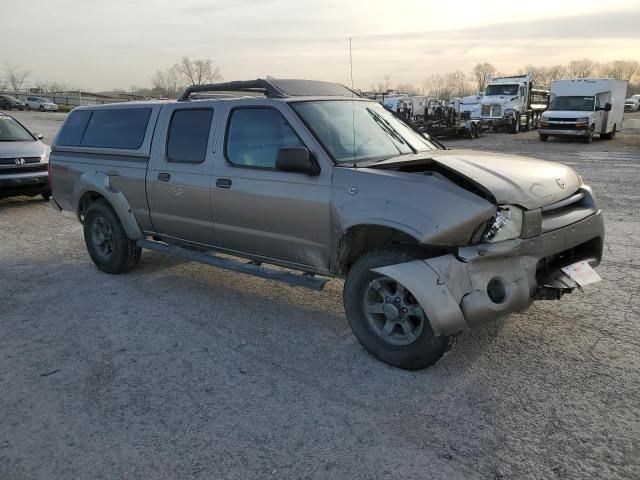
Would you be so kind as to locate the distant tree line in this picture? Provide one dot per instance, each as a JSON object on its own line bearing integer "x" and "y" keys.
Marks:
{"x": 460, "y": 84}
{"x": 173, "y": 80}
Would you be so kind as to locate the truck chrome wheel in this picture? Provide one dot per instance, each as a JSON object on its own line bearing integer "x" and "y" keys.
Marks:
{"x": 102, "y": 237}
{"x": 392, "y": 312}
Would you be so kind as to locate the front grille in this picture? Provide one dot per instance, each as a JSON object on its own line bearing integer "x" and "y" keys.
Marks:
{"x": 562, "y": 126}
{"x": 567, "y": 211}
{"x": 491, "y": 110}
{"x": 24, "y": 169}
{"x": 561, "y": 119}
{"x": 12, "y": 160}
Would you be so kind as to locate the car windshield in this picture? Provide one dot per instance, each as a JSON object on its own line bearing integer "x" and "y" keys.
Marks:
{"x": 580, "y": 104}
{"x": 12, "y": 131}
{"x": 501, "y": 90}
{"x": 356, "y": 131}
{"x": 10, "y": 98}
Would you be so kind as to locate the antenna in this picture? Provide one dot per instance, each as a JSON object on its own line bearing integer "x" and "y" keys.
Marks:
{"x": 353, "y": 107}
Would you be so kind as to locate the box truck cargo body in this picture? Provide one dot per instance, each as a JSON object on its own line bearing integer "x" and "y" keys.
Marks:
{"x": 584, "y": 107}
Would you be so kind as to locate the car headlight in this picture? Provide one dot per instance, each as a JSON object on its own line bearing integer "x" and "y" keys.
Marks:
{"x": 582, "y": 120}
{"x": 508, "y": 112}
{"x": 505, "y": 225}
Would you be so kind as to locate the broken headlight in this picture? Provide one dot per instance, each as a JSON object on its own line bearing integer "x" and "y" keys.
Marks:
{"x": 505, "y": 225}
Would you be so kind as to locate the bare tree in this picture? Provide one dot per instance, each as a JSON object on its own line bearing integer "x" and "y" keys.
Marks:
{"x": 621, "y": 69}
{"x": 387, "y": 82}
{"x": 167, "y": 82}
{"x": 198, "y": 71}
{"x": 482, "y": 74}
{"x": 581, "y": 68}
{"x": 457, "y": 83}
{"x": 406, "y": 88}
{"x": 15, "y": 77}
{"x": 435, "y": 85}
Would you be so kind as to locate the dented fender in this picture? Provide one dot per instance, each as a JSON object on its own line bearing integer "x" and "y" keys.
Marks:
{"x": 106, "y": 185}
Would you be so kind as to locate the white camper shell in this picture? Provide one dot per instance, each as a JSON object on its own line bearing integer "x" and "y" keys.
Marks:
{"x": 584, "y": 107}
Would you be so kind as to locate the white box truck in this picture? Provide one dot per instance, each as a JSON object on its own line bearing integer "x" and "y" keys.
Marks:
{"x": 583, "y": 107}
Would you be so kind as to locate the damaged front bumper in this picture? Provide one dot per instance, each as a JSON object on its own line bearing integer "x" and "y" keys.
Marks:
{"x": 482, "y": 283}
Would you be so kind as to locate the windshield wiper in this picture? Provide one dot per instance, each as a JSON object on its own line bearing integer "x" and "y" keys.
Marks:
{"x": 392, "y": 132}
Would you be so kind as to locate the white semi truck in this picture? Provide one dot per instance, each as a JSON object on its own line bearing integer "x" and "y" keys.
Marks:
{"x": 582, "y": 107}
{"x": 514, "y": 103}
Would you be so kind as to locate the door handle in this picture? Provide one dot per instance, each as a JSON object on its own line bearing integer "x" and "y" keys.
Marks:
{"x": 164, "y": 177}
{"x": 223, "y": 183}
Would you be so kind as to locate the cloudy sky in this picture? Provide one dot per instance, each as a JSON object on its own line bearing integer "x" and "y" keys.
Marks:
{"x": 100, "y": 45}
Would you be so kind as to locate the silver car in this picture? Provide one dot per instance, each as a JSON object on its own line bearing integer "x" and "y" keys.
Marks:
{"x": 309, "y": 176}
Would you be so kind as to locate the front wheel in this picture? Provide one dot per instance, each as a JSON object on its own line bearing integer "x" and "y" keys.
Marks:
{"x": 515, "y": 124}
{"x": 107, "y": 242}
{"x": 28, "y": 107}
{"x": 386, "y": 318}
{"x": 589, "y": 137}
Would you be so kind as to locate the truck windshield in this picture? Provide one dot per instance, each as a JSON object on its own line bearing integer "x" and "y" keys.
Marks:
{"x": 501, "y": 90}
{"x": 581, "y": 104}
{"x": 354, "y": 131}
{"x": 12, "y": 131}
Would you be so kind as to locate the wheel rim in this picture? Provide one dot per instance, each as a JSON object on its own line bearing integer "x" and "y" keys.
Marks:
{"x": 392, "y": 312}
{"x": 102, "y": 238}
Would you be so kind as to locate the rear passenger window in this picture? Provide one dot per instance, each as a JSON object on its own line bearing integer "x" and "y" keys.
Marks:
{"x": 188, "y": 135}
{"x": 117, "y": 128}
{"x": 255, "y": 135}
{"x": 73, "y": 128}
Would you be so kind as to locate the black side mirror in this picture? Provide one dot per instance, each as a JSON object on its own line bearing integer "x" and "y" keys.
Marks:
{"x": 297, "y": 160}
{"x": 607, "y": 107}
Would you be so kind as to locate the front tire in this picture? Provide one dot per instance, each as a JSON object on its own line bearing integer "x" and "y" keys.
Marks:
{"x": 515, "y": 124}
{"x": 107, "y": 242}
{"x": 386, "y": 318}
{"x": 28, "y": 107}
{"x": 589, "y": 137}
{"x": 41, "y": 108}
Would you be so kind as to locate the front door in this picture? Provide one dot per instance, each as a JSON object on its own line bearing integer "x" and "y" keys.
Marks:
{"x": 263, "y": 211}
{"x": 180, "y": 174}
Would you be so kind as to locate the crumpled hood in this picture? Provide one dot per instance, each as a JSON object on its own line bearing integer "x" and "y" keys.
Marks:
{"x": 22, "y": 149}
{"x": 511, "y": 179}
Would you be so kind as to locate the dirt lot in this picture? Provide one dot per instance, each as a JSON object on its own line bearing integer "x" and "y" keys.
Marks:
{"x": 178, "y": 370}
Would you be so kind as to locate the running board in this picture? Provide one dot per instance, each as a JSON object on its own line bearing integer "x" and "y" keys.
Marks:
{"x": 252, "y": 268}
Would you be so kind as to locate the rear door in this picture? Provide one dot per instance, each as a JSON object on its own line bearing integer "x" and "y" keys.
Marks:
{"x": 258, "y": 209}
{"x": 180, "y": 172}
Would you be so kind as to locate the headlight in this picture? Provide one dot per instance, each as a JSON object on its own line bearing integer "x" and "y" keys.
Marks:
{"x": 508, "y": 112}
{"x": 582, "y": 120}
{"x": 506, "y": 224}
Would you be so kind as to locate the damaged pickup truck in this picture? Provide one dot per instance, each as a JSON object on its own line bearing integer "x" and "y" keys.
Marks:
{"x": 311, "y": 177}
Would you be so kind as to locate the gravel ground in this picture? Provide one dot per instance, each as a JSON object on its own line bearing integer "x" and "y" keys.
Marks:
{"x": 179, "y": 370}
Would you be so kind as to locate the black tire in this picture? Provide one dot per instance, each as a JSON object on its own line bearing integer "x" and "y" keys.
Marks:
{"x": 544, "y": 137}
{"x": 472, "y": 131}
{"x": 527, "y": 126}
{"x": 423, "y": 351}
{"x": 28, "y": 107}
{"x": 107, "y": 242}
{"x": 41, "y": 108}
{"x": 46, "y": 195}
{"x": 478, "y": 131}
{"x": 611, "y": 135}
{"x": 589, "y": 137}
{"x": 515, "y": 124}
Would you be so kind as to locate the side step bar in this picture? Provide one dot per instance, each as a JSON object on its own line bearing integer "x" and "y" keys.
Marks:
{"x": 295, "y": 279}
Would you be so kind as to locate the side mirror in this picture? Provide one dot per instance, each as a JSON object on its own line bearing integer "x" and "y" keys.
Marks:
{"x": 607, "y": 107}
{"x": 39, "y": 136}
{"x": 297, "y": 160}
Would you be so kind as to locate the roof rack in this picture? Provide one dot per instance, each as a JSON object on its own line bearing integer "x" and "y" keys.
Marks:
{"x": 278, "y": 88}
{"x": 255, "y": 86}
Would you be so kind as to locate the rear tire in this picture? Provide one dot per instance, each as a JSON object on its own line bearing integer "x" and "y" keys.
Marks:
{"x": 28, "y": 108}
{"x": 46, "y": 195}
{"x": 544, "y": 137}
{"x": 107, "y": 242}
{"x": 41, "y": 108}
{"x": 611, "y": 135}
{"x": 409, "y": 343}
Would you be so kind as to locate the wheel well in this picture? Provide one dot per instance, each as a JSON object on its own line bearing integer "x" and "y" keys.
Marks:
{"x": 361, "y": 239}
{"x": 85, "y": 201}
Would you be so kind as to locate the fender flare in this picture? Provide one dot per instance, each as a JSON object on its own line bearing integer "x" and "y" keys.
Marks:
{"x": 102, "y": 183}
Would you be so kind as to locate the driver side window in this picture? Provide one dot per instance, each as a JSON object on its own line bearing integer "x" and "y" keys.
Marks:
{"x": 254, "y": 136}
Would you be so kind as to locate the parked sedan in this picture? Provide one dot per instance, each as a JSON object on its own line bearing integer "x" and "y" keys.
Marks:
{"x": 24, "y": 160}
{"x": 42, "y": 104}
{"x": 7, "y": 102}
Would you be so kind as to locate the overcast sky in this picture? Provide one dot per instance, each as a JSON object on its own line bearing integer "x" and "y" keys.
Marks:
{"x": 100, "y": 45}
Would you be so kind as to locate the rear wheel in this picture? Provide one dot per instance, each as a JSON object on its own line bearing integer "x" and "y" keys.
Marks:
{"x": 46, "y": 195}
{"x": 41, "y": 108}
{"x": 611, "y": 135}
{"x": 385, "y": 316}
{"x": 107, "y": 242}
{"x": 544, "y": 137}
{"x": 28, "y": 107}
